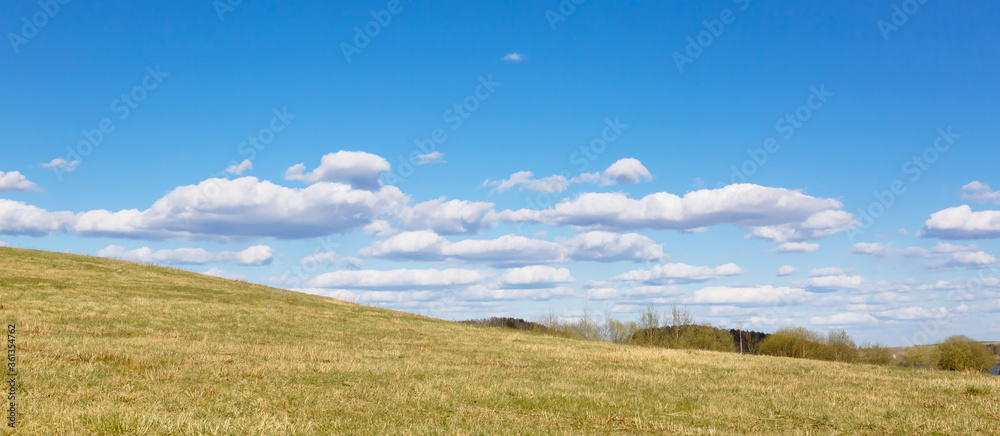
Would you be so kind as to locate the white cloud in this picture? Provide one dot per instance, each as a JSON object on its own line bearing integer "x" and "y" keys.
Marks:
{"x": 447, "y": 217}
{"x": 358, "y": 168}
{"x": 17, "y": 218}
{"x": 786, "y": 270}
{"x": 245, "y": 208}
{"x": 3, "y": 244}
{"x": 841, "y": 319}
{"x": 240, "y": 168}
{"x": 873, "y": 248}
{"x": 911, "y": 313}
{"x": 748, "y": 295}
{"x": 973, "y": 260}
{"x": 773, "y": 213}
{"x": 534, "y": 276}
{"x": 14, "y": 181}
{"x": 322, "y": 258}
{"x": 674, "y": 273}
{"x": 604, "y": 246}
{"x": 962, "y": 223}
{"x": 623, "y": 172}
{"x": 628, "y": 171}
{"x": 256, "y": 255}
{"x": 797, "y": 247}
{"x": 513, "y": 57}
{"x": 945, "y": 247}
{"x": 400, "y": 279}
{"x": 215, "y": 272}
{"x": 598, "y": 246}
{"x": 434, "y": 157}
{"x": 831, "y": 282}
{"x": 62, "y": 165}
{"x": 980, "y": 193}
{"x": 379, "y": 228}
{"x": 524, "y": 180}
{"x": 481, "y": 293}
{"x": 828, "y": 271}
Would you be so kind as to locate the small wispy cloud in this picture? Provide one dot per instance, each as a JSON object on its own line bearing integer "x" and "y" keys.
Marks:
{"x": 514, "y": 57}
{"x": 240, "y": 168}
{"x": 430, "y": 158}
{"x": 61, "y": 164}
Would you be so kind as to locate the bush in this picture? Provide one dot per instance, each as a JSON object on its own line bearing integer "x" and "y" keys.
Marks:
{"x": 841, "y": 347}
{"x": 920, "y": 356}
{"x": 961, "y": 353}
{"x": 796, "y": 342}
{"x": 876, "y": 354}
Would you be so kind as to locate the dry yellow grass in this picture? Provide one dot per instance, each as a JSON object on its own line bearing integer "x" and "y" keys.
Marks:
{"x": 110, "y": 347}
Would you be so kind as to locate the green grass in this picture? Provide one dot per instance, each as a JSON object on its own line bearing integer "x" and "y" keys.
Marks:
{"x": 110, "y": 347}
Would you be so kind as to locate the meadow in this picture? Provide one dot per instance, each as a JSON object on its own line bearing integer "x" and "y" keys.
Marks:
{"x": 112, "y": 347}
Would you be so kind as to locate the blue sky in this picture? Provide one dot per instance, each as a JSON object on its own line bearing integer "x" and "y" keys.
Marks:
{"x": 522, "y": 158}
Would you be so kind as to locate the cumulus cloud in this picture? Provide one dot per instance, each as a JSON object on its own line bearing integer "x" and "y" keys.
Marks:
{"x": 628, "y": 171}
{"x": 358, "y": 168}
{"x": 748, "y": 295}
{"x": 525, "y": 180}
{"x": 17, "y": 218}
{"x": 773, "y": 213}
{"x": 256, "y": 255}
{"x": 675, "y": 273}
{"x": 513, "y": 57}
{"x": 873, "y": 248}
{"x": 245, "y": 208}
{"x": 945, "y": 247}
{"x": 786, "y": 270}
{"x": 14, "y": 181}
{"x": 61, "y": 165}
{"x": 534, "y": 276}
{"x": 399, "y": 279}
{"x": 483, "y": 293}
{"x": 321, "y": 258}
{"x": 972, "y": 260}
{"x": 240, "y": 168}
{"x": 842, "y": 319}
{"x": 797, "y": 247}
{"x": 962, "y": 223}
{"x": 425, "y": 245}
{"x": 215, "y": 272}
{"x": 831, "y": 282}
{"x": 434, "y": 157}
{"x": 980, "y": 193}
{"x": 912, "y": 313}
{"x": 828, "y": 271}
{"x": 623, "y": 172}
{"x": 447, "y": 217}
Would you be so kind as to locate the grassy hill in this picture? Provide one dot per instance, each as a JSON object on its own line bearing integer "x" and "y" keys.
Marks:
{"x": 111, "y": 347}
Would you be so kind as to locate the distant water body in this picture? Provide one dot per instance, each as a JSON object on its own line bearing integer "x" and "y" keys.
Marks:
{"x": 996, "y": 370}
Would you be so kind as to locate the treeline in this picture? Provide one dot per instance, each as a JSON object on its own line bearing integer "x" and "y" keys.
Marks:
{"x": 678, "y": 329}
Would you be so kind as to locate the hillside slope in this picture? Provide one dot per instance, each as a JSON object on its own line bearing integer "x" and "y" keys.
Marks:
{"x": 111, "y": 347}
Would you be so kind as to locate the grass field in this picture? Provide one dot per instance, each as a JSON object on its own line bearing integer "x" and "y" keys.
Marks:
{"x": 110, "y": 347}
